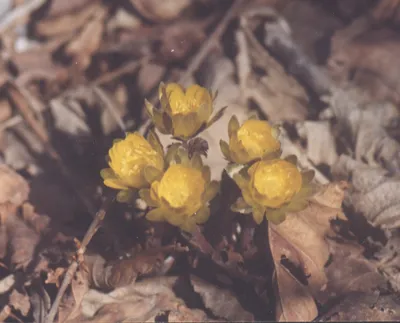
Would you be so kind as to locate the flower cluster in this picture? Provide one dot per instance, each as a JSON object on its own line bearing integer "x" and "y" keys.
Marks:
{"x": 177, "y": 186}
{"x": 270, "y": 186}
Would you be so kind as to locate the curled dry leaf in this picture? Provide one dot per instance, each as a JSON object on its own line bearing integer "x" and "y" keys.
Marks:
{"x": 161, "y": 11}
{"x": 106, "y": 275}
{"x": 374, "y": 193}
{"x": 301, "y": 239}
{"x": 365, "y": 124}
{"x": 88, "y": 41}
{"x": 136, "y": 302}
{"x": 222, "y": 303}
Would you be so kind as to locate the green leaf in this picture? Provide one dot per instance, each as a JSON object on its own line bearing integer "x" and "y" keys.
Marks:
{"x": 216, "y": 117}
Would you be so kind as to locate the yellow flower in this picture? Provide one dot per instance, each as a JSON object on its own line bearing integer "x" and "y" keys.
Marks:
{"x": 133, "y": 161}
{"x": 272, "y": 188}
{"x": 253, "y": 140}
{"x": 181, "y": 196}
{"x": 183, "y": 113}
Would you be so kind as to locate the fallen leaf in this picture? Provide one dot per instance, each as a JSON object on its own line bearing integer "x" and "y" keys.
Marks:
{"x": 88, "y": 41}
{"x": 13, "y": 187}
{"x": 222, "y": 303}
{"x": 70, "y": 309}
{"x": 157, "y": 11}
{"x": 20, "y": 302}
{"x": 361, "y": 307}
{"x": 349, "y": 271}
{"x": 301, "y": 240}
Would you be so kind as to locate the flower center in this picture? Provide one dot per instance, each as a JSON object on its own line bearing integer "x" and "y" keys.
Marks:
{"x": 278, "y": 180}
{"x": 181, "y": 186}
{"x": 256, "y": 137}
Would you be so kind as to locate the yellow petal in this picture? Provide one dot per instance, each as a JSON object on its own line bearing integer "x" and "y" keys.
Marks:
{"x": 116, "y": 184}
{"x": 233, "y": 126}
{"x": 146, "y": 196}
{"x": 185, "y": 126}
{"x": 176, "y": 98}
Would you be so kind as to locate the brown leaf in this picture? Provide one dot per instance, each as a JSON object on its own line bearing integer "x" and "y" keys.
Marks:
{"x": 136, "y": 302}
{"x": 368, "y": 61}
{"x": 361, "y": 307}
{"x": 222, "y": 303}
{"x": 13, "y": 187}
{"x": 301, "y": 240}
{"x": 118, "y": 273}
{"x": 294, "y": 302}
{"x": 20, "y": 302}
{"x": 62, "y": 7}
{"x": 70, "y": 306}
{"x": 88, "y": 41}
{"x": 349, "y": 271}
{"x": 157, "y": 11}
{"x": 67, "y": 23}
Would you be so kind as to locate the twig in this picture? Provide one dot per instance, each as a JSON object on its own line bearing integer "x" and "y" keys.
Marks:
{"x": 19, "y": 13}
{"x": 94, "y": 226}
{"x": 211, "y": 41}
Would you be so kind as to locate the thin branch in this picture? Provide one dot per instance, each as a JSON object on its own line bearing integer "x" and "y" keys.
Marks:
{"x": 94, "y": 226}
{"x": 211, "y": 41}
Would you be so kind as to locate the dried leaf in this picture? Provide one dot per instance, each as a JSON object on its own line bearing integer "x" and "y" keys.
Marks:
{"x": 20, "y": 302}
{"x": 349, "y": 271}
{"x": 13, "y": 187}
{"x": 301, "y": 239}
{"x": 222, "y": 303}
{"x": 360, "y": 307}
{"x": 88, "y": 41}
{"x": 157, "y": 11}
{"x": 79, "y": 287}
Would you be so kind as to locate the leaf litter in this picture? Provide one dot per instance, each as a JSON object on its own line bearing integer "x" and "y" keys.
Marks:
{"x": 74, "y": 76}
